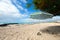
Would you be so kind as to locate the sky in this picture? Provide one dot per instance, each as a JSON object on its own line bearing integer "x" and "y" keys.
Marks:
{"x": 15, "y": 11}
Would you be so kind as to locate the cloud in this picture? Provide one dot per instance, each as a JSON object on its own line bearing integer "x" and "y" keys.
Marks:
{"x": 17, "y": 4}
{"x": 9, "y": 12}
{"x": 53, "y": 19}
{"x": 24, "y": 1}
{"x": 20, "y": 7}
{"x": 31, "y": 21}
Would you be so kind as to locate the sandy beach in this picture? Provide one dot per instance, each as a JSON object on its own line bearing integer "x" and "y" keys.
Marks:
{"x": 41, "y": 31}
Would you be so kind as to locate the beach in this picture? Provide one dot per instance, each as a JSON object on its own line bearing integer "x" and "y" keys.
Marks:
{"x": 40, "y": 31}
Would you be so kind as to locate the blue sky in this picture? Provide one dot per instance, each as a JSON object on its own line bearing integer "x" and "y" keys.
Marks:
{"x": 16, "y": 11}
{"x": 22, "y": 4}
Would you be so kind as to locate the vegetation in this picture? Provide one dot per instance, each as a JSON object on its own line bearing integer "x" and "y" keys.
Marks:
{"x": 50, "y": 6}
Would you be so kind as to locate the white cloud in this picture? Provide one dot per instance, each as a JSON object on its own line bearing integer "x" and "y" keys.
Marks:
{"x": 8, "y": 12}
{"x": 20, "y": 7}
{"x": 7, "y": 7}
{"x": 18, "y": 4}
{"x": 53, "y": 19}
{"x": 24, "y": 1}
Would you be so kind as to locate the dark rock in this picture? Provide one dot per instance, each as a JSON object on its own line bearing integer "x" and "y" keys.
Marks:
{"x": 2, "y": 25}
{"x": 38, "y": 33}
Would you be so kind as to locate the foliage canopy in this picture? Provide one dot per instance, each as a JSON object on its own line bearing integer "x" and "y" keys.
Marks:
{"x": 50, "y": 6}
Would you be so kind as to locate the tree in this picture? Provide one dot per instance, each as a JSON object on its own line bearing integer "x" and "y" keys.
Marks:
{"x": 50, "y": 6}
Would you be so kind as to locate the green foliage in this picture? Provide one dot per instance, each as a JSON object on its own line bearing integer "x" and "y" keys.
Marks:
{"x": 51, "y": 6}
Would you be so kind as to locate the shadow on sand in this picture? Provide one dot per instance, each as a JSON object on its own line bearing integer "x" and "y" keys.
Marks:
{"x": 52, "y": 30}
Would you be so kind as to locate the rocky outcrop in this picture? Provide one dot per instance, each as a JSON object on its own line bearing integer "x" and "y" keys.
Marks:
{"x": 7, "y": 24}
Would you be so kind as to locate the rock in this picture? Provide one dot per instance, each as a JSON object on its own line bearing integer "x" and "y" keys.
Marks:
{"x": 38, "y": 33}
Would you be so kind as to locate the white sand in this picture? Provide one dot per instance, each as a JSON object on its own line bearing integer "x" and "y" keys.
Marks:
{"x": 31, "y": 32}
